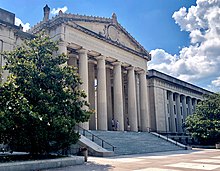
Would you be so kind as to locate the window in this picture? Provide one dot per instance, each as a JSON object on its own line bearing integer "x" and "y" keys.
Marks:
{"x": 169, "y": 123}
{"x": 174, "y": 97}
{"x": 176, "y": 124}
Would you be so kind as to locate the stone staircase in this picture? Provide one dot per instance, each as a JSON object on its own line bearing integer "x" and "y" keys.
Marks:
{"x": 134, "y": 142}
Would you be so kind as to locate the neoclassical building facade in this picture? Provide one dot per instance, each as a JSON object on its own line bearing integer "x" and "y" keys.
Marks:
{"x": 113, "y": 68}
{"x": 171, "y": 101}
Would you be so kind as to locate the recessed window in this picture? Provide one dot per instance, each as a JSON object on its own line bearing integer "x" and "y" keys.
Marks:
{"x": 181, "y": 110}
{"x": 176, "y": 124}
{"x": 174, "y": 97}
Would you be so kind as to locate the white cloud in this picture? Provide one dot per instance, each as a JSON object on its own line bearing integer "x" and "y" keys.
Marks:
{"x": 215, "y": 85}
{"x": 201, "y": 60}
{"x": 25, "y": 26}
{"x": 56, "y": 11}
{"x": 216, "y": 82}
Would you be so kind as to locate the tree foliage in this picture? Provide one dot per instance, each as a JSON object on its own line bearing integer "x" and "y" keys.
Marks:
{"x": 40, "y": 102}
{"x": 204, "y": 124}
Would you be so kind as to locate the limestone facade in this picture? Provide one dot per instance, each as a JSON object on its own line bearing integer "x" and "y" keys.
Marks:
{"x": 171, "y": 101}
{"x": 10, "y": 36}
{"x": 113, "y": 68}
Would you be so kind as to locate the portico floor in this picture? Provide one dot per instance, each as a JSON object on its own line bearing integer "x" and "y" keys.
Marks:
{"x": 193, "y": 160}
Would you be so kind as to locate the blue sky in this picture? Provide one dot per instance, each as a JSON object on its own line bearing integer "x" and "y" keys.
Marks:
{"x": 149, "y": 21}
{"x": 181, "y": 35}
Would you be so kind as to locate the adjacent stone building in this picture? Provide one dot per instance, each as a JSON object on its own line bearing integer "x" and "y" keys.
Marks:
{"x": 10, "y": 35}
{"x": 113, "y": 68}
{"x": 171, "y": 101}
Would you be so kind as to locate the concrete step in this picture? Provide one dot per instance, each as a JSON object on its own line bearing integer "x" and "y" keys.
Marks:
{"x": 134, "y": 142}
{"x": 94, "y": 149}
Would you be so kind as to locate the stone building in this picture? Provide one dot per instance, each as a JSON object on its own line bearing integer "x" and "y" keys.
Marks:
{"x": 10, "y": 35}
{"x": 113, "y": 68}
{"x": 171, "y": 101}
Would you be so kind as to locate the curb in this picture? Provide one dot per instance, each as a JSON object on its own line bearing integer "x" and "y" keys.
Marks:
{"x": 42, "y": 164}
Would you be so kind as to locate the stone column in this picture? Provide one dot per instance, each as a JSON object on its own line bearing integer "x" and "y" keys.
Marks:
{"x": 92, "y": 120}
{"x": 109, "y": 97}
{"x": 178, "y": 114}
{"x": 1, "y": 61}
{"x": 132, "y": 103}
{"x": 172, "y": 116}
{"x": 83, "y": 72}
{"x": 184, "y": 108}
{"x": 138, "y": 99}
{"x": 118, "y": 99}
{"x": 62, "y": 49}
{"x": 143, "y": 102}
{"x": 101, "y": 94}
{"x": 194, "y": 105}
{"x": 72, "y": 61}
{"x": 190, "y": 105}
{"x": 125, "y": 96}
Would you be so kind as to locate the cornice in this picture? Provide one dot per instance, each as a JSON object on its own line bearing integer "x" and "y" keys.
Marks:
{"x": 17, "y": 30}
{"x": 71, "y": 17}
{"x": 174, "y": 81}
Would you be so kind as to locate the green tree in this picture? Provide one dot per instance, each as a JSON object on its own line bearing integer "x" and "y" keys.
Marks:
{"x": 204, "y": 124}
{"x": 40, "y": 103}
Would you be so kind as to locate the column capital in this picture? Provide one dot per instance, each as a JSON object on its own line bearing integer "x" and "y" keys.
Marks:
{"x": 183, "y": 96}
{"x": 73, "y": 55}
{"x": 177, "y": 94}
{"x": 100, "y": 57}
{"x": 82, "y": 51}
{"x": 92, "y": 61}
{"x": 108, "y": 66}
{"x": 116, "y": 63}
{"x": 131, "y": 67}
{"x": 62, "y": 43}
{"x": 142, "y": 72}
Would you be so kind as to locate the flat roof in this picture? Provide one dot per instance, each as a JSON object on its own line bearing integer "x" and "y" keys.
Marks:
{"x": 156, "y": 74}
{"x": 7, "y": 16}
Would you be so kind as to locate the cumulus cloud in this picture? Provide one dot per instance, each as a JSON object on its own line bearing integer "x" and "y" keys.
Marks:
{"x": 57, "y": 10}
{"x": 201, "y": 60}
{"x": 216, "y": 82}
{"x": 25, "y": 26}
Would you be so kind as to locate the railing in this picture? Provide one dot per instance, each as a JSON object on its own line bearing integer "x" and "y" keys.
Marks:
{"x": 166, "y": 135}
{"x": 93, "y": 137}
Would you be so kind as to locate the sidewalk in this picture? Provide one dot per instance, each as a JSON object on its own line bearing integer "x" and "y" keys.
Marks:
{"x": 197, "y": 159}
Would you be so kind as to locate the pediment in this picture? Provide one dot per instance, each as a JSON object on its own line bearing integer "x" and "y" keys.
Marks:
{"x": 107, "y": 29}
{"x": 110, "y": 29}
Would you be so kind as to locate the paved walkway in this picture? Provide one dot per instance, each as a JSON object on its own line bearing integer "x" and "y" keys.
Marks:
{"x": 187, "y": 160}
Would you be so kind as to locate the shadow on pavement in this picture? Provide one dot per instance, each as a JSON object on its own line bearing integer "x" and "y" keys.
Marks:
{"x": 89, "y": 166}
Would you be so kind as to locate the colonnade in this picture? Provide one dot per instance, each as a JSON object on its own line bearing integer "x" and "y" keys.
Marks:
{"x": 179, "y": 107}
{"x": 104, "y": 82}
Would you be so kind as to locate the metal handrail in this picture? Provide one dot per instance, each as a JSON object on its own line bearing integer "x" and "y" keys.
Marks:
{"x": 84, "y": 131}
{"x": 167, "y": 132}
{"x": 159, "y": 134}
